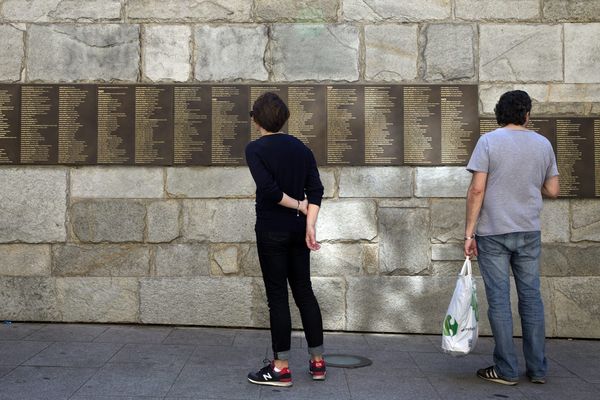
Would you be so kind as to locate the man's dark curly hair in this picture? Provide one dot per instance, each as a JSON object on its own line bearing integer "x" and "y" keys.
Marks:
{"x": 270, "y": 112}
{"x": 512, "y": 108}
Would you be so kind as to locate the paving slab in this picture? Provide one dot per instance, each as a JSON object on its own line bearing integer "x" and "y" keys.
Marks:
{"x": 15, "y": 353}
{"x": 74, "y": 354}
{"x": 211, "y": 383}
{"x": 43, "y": 383}
{"x": 201, "y": 336}
{"x": 18, "y": 331}
{"x": 68, "y": 333}
{"x": 162, "y": 355}
{"x": 134, "y": 334}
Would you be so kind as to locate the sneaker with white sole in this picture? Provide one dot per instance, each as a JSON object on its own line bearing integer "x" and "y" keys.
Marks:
{"x": 317, "y": 370}
{"x": 490, "y": 374}
{"x": 268, "y": 376}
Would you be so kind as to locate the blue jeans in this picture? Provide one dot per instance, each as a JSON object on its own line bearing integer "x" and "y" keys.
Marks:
{"x": 521, "y": 251}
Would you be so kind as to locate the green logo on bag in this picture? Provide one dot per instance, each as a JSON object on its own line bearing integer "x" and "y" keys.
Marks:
{"x": 450, "y": 326}
{"x": 474, "y": 305}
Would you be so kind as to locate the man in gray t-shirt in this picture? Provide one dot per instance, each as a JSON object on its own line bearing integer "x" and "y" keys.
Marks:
{"x": 512, "y": 168}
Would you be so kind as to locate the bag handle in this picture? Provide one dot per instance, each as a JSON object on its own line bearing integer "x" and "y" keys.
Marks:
{"x": 466, "y": 268}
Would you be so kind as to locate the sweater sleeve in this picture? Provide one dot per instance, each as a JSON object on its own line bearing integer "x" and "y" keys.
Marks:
{"x": 265, "y": 183}
{"x": 313, "y": 186}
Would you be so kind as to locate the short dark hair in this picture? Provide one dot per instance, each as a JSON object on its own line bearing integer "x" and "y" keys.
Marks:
{"x": 512, "y": 108}
{"x": 270, "y": 112}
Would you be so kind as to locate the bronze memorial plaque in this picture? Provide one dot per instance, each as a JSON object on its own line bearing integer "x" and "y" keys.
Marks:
{"x": 192, "y": 128}
{"x": 459, "y": 123}
{"x": 383, "y": 125}
{"x": 230, "y": 124}
{"x": 345, "y": 125}
{"x": 575, "y": 156}
{"x": 597, "y": 156}
{"x": 116, "y": 123}
{"x": 10, "y": 113}
{"x": 77, "y": 124}
{"x": 154, "y": 125}
{"x": 422, "y": 125}
{"x": 39, "y": 124}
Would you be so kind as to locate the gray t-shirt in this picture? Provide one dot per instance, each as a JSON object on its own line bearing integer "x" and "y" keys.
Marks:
{"x": 517, "y": 163}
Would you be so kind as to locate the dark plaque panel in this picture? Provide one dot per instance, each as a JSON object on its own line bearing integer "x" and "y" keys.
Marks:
{"x": 10, "y": 113}
{"x": 77, "y": 124}
{"x": 422, "y": 125}
{"x": 308, "y": 120}
{"x": 39, "y": 124}
{"x": 154, "y": 125}
{"x": 459, "y": 123}
{"x": 597, "y": 157}
{"x": 575, "y": 156}
{"x": 383, "y": 125}
{"x": 192, "y": 109}
{"x": 544, "y": 126}
{"x": 345, "y": 125}
{"x": 230, "y": 124}
{"x": 116, "y": 123}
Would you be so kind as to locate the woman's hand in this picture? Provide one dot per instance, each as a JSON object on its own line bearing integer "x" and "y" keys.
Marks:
{"x": 311, "y": 238}
{"x": 303, "y": 206}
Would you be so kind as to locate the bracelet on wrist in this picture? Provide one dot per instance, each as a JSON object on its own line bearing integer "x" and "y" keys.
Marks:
{"x": 470, "y": 237}
{"x": 298, "y": 209}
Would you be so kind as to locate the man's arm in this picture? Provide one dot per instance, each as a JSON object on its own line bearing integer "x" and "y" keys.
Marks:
{"x": 551, "y": 187}
{"x": 475, "y": 195}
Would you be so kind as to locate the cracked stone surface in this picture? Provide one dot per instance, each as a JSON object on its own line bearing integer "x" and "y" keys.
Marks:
{"x": 83, "y": 52}
{"x": 577, "y": 306}
{"x": 225, "y": 259}
{"x": 162, "y": 221}
{"x": 190, "y": 10}
{"x": 582, "y": 53}
{"x": 501, "y": 50}
{"x": 167, "y": 52}
{"x": 571, "y": 10}
{"x": 231, "y": 52}
{"x": 449, "y": 53}
{"x": 401, "y": 11}
{"x": 493, "y": 9}
{"x": 108, "y": 221}
{"x": 57, "y": 10}
{"x": 182, "y": 260}
{"x": 311, "y": 51}
{"x": 219, "y": 221}
{"x": 12, "y": 53}
{"x": 100, "y": 261}
{"x": 296, "y": 10}
{"x": 392, "y": 52}
{"x": 585, "y": 220}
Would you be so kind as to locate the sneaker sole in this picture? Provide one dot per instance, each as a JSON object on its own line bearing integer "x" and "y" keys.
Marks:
{"x": 500, "y": 381}
{"x": 318, "y": 377}
{"x": 273, "y": 383}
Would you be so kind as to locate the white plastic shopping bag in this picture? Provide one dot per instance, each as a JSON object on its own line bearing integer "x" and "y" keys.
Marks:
{"x": 460, "y": 329}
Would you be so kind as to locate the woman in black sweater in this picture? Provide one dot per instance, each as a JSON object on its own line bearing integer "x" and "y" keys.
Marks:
{"x": 288, "y": 197}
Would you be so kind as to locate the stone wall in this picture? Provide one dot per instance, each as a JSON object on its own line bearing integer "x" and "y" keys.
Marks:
{"x": 176, "y": 245}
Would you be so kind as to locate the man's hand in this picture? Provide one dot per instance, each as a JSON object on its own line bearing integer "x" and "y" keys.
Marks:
{"x": 470, "y": 248}
{"x": 311, "y": 241}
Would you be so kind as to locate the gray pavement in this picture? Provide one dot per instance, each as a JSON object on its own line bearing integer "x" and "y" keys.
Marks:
{"x": 100, "y": 362}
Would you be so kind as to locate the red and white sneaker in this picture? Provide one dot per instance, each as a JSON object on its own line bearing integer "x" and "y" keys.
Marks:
{"x": 317, "y": 370}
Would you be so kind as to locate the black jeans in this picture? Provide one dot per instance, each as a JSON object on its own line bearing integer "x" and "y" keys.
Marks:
{"x": 284, "y": 257}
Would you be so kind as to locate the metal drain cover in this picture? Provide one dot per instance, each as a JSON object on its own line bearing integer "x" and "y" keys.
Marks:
{"x": 346, "y": 361}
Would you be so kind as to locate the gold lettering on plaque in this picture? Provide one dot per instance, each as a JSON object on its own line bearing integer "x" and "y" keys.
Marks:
{"x": 597, "y": 156}
{"x": 339, "y": 134}
{"x": 225, "y": 124}
{"x": 299, "y": 123}
{"x": 487, "y": 125}
{"x": 70, "y": 150}
{"x": 568, "y": 152}
{"x": 188, "y": 140}
{"x": 417, "y": 108}
{"x": 6, "y": 105}
{"x": 455, "y": 133}
{"x": 379, "y": 104}
{"x": 146, "y": 123}
{"x": 110, "y": 103}
{"x": 36, "y": 104}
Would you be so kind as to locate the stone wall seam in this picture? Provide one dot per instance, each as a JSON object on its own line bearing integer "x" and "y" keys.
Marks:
{"x": 362, "y": 54}
{"x": 141, "y": 64}
{"x": 192, "y": 58}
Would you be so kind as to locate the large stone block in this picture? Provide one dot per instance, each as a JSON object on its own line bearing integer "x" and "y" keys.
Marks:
{"x": 60, "y": 10}
{"x": 555, "y": 221}
{"x": 117, "y": 182}
{"x": 108, "y": 221}
{"x": 581, "y": 53}
{"x": 100, "y": 261}
{"x": 231, "y": 52}
{"x": 347, "y": 219}
{"x": 166, "y": 56}
{"x": 449, "y": 51}
{"x": 391, "y": 52}
{"x": 182, "y": 260}
{"x": 197, "y": 301}
{"x": 441, "y": 182}
{"x": 191, "y": 10}
{"x": 28, "y": 299}
{"x": 294, "y": 10}
{"x": 33, "y": 204}
{"x": 404, "y": 247}
{"x": 83, "y": 52}
{"x": 577, "y": 306}
{"x": 98, "y": 299}
{"x": 571, "y": 10}
{"x": 327, "y": 176}
{"x": 219, "y": 220}
{"x": 547, "y": 98}
{"x": 337, "y": 259}
{"x": 12, "y": 53}
{"x": 376, "y": 182}
{"x": 210, "y": 182}
{"x": 501, "y": 49}
{"x": 447, "y": 252}
{"x": 249, "y": 262}
{"x": 494, "y": 10}
{"x": 162, "y": 221}
{"x": 225, "y": 259}
{"x": 402, "y": 11}
{"x": 570, "y": 260}
{"x": 330, "y": 293}
{"x": 447, "y": 220}
{"x": 322, "y": 49}
{"x": 585, "y": 223}
{"x": 404, "y": 203}
{"x": 25, "y": 260}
